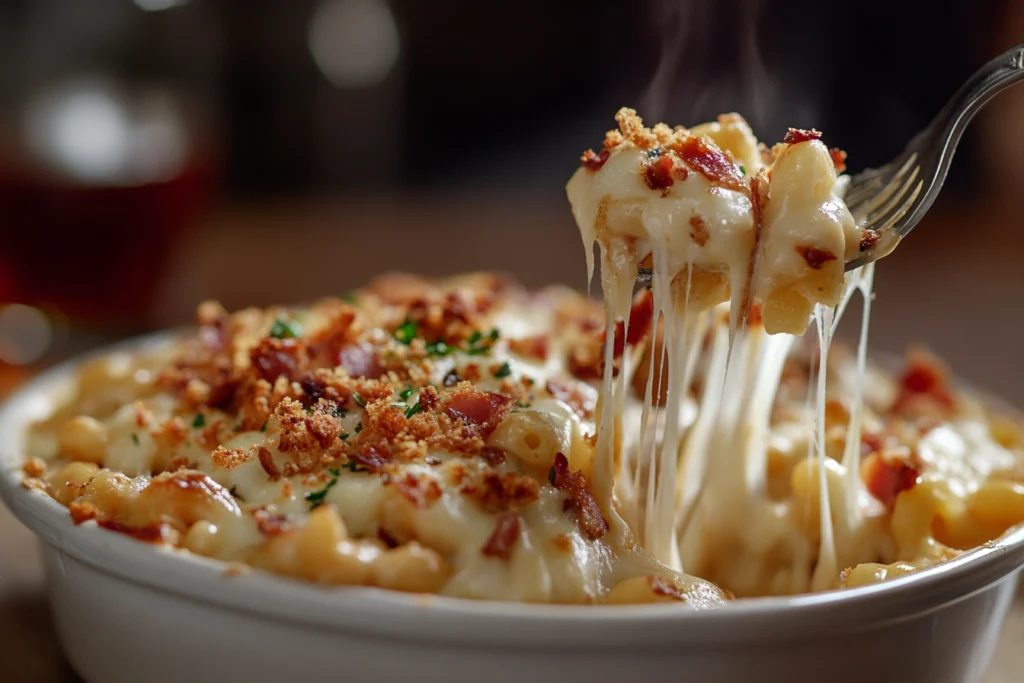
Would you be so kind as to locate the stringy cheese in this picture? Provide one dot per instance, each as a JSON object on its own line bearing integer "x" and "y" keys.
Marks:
{"x": 691, "y": 474}
{"x": 468, "y": 438}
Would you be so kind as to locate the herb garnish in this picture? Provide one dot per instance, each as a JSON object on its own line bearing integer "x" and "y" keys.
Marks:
{"x": 199, "y": 421}
{"x": 350, "y": 297}
{"x": 342, "y": 436}
{"x": 414, "y": 409}
{"x": 551, "y": 475}
{"x": 353, "y": 466}
{"x": 264, "y": 427}
{"x": 479, "y": 343}
{"x": 358, "y": 399}
{"x": 404, "y": 394}
{"x": 317, "y": 497}
{"x": 438, "y": 348}
{"x": 743, "y": 169}
{"x": 503, "y": 371}
{"x": 359, "y": 428}
{"x": 135, "y": 439}
{"x": 286, "y": 329}
{"x": 406, "y": 332}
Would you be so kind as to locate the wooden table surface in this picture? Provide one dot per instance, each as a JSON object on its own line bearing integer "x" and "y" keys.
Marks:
{"x": 960, "y": 296}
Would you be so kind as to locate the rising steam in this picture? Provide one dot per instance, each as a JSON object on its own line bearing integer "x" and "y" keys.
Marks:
{"x": 711, "y": 63}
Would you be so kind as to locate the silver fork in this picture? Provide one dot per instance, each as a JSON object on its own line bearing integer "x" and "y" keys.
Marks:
{"x": 892, "y": 199}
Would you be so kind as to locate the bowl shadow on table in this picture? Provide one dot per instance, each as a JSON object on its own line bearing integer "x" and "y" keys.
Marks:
{"x": 29, "y": 650}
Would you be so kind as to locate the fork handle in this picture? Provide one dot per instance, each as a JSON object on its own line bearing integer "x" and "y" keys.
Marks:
{"x": 986, "y": 83}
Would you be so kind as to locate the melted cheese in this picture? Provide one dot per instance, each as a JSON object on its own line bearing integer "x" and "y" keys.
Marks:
{"x": 693, "y": 474}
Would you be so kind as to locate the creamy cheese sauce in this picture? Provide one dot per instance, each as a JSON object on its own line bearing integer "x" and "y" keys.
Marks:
{"x": 467, "y": 438}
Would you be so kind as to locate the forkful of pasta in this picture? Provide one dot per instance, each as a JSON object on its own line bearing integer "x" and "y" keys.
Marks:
{"x": 720, "y": 216}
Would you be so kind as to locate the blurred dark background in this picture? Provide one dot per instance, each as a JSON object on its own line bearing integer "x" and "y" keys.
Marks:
{"x": 154, "y": 153}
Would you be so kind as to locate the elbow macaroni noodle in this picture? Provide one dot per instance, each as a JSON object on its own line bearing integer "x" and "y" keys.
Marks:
{"x": 443, "y": 436}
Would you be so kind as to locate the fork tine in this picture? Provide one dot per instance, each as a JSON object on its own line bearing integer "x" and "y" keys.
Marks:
{"x": 882, "y": 197}
{"x": 865, "y": 187}
{"x": 901, "y": 211}
{"x": 866, "y": 183}
{"x": 894, "y": 200}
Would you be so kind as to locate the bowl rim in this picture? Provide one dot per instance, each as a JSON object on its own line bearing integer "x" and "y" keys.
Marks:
{"x": 370, "y": 610}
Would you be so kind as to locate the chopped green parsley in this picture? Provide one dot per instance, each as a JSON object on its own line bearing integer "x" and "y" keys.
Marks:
{"x": 406, "y": 332}
{"x": 317, "y": 497}
{"x": 286, "y": 329}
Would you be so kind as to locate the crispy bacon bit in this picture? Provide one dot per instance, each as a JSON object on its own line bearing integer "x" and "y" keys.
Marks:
{"x": 325, "y": 345}
{"x": 360, "y": 360}
{"x": 504, "y": 538}
{"x": 700, "y": 154}
{"x": 492, "y": 456}
{"x": 275, "y": 358}
{"x": 924, "y": 385}
{"x": 533, "y": 347}
{"x": 699, "y": 230}
{"x": 594, "y": 162}
{"x": 151, "y": 533}
{"x": 868, "y": 239}
{"x": 796, "y": 135}
{"x": 269, "y": 523}
{"x": 658, "y": 170}
{"x": 585, "y": 361}
{"x": 313, "y": 387}
{"x": 755, "y": 316}
{"x": 815, "y": 258}
{"x": 371, "y": 457}
{"x": 838, "y": 159}
{"x": 664, "y": 587}
{"x": 420, "y": 491}
{"x": 428, "y": 398}
{"x": 267, "y": 462}
{"x": 480, "y": 409}
{"x": 869, "y": 443}
{"x": 579, "y": 499}
{"x": 886, "y": 477}
{"x": 576, "y": 397}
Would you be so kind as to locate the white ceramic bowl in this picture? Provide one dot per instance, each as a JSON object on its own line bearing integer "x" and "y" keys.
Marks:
{"x": 128, "y": 612}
